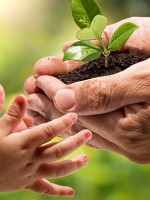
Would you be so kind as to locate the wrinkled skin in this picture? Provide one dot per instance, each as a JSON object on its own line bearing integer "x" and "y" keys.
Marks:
{"x": 115, "y": 108}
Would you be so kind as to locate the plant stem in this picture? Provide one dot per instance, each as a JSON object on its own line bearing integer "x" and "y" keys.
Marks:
{"x": 106, "y": 52}
{"x": 106, "y": 60}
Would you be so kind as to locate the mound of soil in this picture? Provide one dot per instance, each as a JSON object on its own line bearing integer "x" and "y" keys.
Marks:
{"x": 117, "y": 62}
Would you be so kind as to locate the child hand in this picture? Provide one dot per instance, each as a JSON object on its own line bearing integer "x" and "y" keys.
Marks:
{"x": 25, "y": 163}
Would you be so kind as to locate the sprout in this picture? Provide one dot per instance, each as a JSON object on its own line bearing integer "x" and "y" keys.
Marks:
{"x": 88, "y": 16}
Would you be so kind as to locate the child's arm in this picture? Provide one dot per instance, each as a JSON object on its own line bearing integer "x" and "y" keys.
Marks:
{"x": 25, "y": 163}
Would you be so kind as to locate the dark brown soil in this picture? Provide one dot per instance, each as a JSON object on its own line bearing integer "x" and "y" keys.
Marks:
{"x": 117, "y": 62}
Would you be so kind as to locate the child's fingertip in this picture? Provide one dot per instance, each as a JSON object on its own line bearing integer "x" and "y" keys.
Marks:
{"x": 86, "y": 159}
{"x": 73, "y": 116}
{"x": 88, "y": 135}
{"x": 20, "y": 100}
{"x": 70, "y": 193}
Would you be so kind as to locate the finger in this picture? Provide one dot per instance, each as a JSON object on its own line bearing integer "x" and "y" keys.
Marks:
{"x": 14, "y": 115}
{"x": 2, "y": 98}
{"x": 48, "y": 145}
{"x": 61, "y": 169}
{"x": 43, "y": 186}
{"x": 68, "y": 44}
{"x": 30, "y": 86}
{"x": 64, "y": 148}
{"x": 45, "y": 81}
{"x": 99, "y": 142}
{"x": 133, "y": 45}
{"x": 43, "y": 106}
{"x": 54, "y": 66}
{"x": 86, "y": 97}
{"x": 37, "y": 118}
{"x": 101, "y": 95}
{"x": 46, "y": 132}
{"x": 32, "y": 113}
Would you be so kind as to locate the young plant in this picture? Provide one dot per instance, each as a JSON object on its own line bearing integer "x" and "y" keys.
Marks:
{"x": 88, "y": 16}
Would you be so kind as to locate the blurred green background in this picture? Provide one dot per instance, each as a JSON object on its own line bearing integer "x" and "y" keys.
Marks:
{"x": 32, "y": 29}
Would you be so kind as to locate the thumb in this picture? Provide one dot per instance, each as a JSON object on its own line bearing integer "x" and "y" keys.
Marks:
{"x": 106, "y": 94}
{"x": 2, "y": 98}
{"x": 14, "y": 115}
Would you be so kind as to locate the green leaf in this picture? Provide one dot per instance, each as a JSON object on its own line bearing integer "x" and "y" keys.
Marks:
{"x": 98, "y": 25}
{"x": 86, "y": 34}
{"x": 95, "y": 31}
{"x": 121, "y": 35}
{"x": 82, "y": 51}
{"x": 84, "y": 11}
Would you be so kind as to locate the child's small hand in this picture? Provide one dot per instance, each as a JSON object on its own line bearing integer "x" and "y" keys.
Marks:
{"x": 25, "y": 163}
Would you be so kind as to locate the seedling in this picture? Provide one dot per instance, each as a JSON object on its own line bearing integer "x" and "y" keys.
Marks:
{"x": 88, "y": 16}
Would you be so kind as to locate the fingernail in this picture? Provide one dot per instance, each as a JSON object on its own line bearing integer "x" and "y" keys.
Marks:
{"x": 74, "y": 117}
{"x": 19, "y": 100}
{"x": 88, "y": 135}
{"x": 64, "y": 99}
{"x": 71, "y": 193}
{"x": 86, "y": 160}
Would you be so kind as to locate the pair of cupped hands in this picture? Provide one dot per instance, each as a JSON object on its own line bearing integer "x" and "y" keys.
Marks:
{"x": 115, "y": 108}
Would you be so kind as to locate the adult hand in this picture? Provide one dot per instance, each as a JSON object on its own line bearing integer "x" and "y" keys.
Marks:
{"x": 121, "y": 99}
{"x": 138, "y": 43}
{"x": 123, "y": 125}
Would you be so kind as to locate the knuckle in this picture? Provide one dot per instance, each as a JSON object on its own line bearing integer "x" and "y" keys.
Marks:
{"x": 141, "y": 82}
{"x": 79, "y": 164}
{"x": 100, "y": 93}
{"x": 25, "y": 146}
{"x": 58, "y": 153}
{"x": 49, "y": 132}
{"x": 67, "y": 122}
{"x": 13, "y": 113}
{"x": 60, "y": 173}
{"x": 132, "y": 123}
{"x": 47, "y": 191}
{"x": 134, "y": 133}
{"x": 79, "y": 141}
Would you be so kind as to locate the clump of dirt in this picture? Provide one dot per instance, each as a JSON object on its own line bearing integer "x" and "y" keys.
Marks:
{"x": 117, "y": 62}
